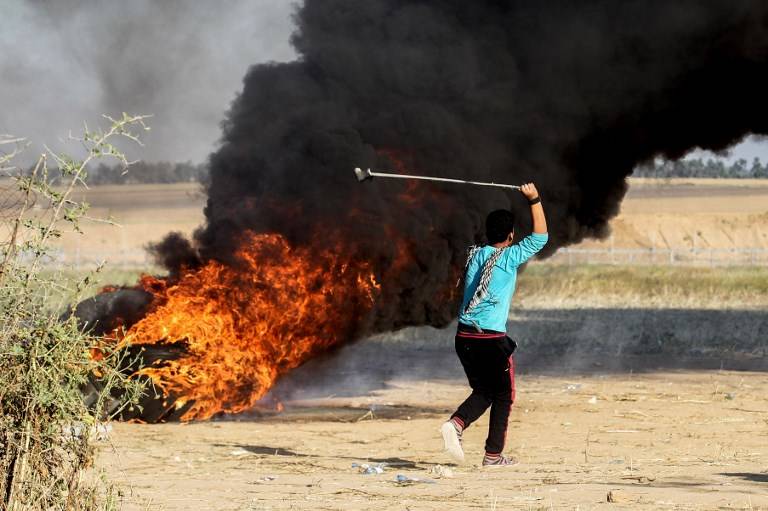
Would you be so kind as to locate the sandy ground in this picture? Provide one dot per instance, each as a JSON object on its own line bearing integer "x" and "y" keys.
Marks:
{"x": 691, "y": 213}
{"x": 661, "y": 440}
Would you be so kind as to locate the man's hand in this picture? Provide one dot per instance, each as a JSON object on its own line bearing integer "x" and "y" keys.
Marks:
{"x": 529, "y": 190}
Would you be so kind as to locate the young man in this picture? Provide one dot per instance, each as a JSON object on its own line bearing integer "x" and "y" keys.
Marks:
{"x": 483, "y": 347}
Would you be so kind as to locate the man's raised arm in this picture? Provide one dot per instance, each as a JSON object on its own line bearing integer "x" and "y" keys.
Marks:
{"x": 534, "y": 242}
{"x": 537, "y": 210}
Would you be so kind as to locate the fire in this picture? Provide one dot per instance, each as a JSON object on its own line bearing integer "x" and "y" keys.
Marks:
{"x": 245, "y": 325}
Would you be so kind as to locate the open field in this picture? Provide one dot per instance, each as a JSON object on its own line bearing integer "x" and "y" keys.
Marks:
{"x": 142, "y": 213}
{"x": 677, "y": 214}
{"x": 648, "y": 382}
{"x": 145, "y": 213}
{"x": 624, "y": 286}
{"x": 668, "y": 440}
{"x": 543, "y": 285}
{"x": 692, "y": 213}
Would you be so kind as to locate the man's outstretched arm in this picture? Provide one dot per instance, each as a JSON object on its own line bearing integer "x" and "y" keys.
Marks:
{"x": 537, "y": 210}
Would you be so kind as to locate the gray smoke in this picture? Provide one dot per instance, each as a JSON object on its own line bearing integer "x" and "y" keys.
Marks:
{"x": 66, "y": 61}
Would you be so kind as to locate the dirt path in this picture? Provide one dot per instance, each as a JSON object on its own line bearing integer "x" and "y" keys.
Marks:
{"x": 671, "y": 440}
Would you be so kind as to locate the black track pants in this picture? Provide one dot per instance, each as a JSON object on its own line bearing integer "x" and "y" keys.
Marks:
{"x": 490, "y": 368}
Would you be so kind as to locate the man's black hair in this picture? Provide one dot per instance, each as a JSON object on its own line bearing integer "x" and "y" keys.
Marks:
{"x": 498, "y": 225}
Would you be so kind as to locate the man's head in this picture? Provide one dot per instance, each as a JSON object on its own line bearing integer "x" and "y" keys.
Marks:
{"x": 499, "y": 226}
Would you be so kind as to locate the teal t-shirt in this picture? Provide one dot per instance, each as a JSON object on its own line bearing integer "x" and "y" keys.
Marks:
{"x": 492, "y": 312}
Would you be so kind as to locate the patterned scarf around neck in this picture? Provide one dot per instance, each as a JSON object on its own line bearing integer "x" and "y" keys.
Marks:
{"x": 485, "y": 276}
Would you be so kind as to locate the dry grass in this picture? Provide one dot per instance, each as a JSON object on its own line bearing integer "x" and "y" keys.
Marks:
{"x": 643, "y": 286}
{"x": 118, "y": 277}
{"x": 697, "y": 181}
{"x": 545, "y": 285}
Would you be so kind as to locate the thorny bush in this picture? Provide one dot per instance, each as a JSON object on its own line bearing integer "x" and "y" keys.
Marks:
{"x": 47, "y": 429}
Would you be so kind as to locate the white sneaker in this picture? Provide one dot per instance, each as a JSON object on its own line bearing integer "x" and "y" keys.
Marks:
{"x": 452, "y": 440}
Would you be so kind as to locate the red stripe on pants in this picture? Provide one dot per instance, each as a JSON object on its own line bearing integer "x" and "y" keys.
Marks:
{"x": 512, "y": 377}
{"x": 512, "y": 392}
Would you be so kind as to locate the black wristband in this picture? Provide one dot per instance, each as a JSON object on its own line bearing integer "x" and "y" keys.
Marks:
{"x": 534, "y": 201}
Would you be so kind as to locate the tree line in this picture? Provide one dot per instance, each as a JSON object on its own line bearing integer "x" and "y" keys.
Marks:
{"x": 148, "y": 172}
{"x": 188, "y": 172}
{"x": 139, "y": 172}
{"x": 698, "y": 167}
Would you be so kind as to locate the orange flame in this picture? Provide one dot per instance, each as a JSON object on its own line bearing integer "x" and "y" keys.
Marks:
{"x": 244, "y": 327}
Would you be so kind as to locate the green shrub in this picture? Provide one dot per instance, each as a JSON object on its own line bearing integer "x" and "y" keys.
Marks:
{"x": 47, "y": 430}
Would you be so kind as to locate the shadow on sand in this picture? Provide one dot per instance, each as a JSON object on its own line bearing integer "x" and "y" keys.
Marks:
{"x": 263, "y": 450}
{"x": 757, "y": 478}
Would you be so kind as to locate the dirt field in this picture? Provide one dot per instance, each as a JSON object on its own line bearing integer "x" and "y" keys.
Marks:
{"x": 666, "y": 440}
{"x": 662, "y": 214}
{"x": 607, "y": 401}
{"x": 692, "y": 213}
{"x": 142, "y": 213}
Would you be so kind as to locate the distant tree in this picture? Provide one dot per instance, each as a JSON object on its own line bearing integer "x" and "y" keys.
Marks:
{"x": 696, "y": 167}
{"x": 758, "y": 170}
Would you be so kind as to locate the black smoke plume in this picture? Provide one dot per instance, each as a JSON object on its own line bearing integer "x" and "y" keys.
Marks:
{"x": 570, "y": 95}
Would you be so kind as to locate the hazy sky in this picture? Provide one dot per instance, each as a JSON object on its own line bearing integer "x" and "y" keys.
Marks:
{"x": 69, "y": 61}
{"x": 749, "y": 148}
